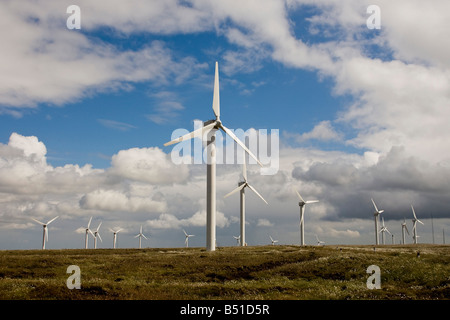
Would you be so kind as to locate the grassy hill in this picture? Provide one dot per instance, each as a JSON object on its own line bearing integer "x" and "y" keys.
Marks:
{"x": 265, "y": 272}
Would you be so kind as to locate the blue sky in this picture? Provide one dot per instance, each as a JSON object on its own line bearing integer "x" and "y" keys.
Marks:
{"x": 84, "y": 115}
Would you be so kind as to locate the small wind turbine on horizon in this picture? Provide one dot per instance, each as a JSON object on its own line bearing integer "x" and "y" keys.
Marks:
{"x": 241, "y": 187}
{"x": 302, "y": 204}
{"x": 186, "y": 240}
{"x": 140, "y": 235}
{"x": 96, "y": 234}
{"x": 114, "y": 236}
{"x": 376, "y": 218}
{"x": 383, "y": 230}
{"x": 404, "y": 227}
{"x": 319, "y": 243}
{"x": 273, "y": 241}
{"x": 238, "y": 239}
{"x": 210, "y": 127}
{"x": 45, "y": 230}
{"x": 87, "y": 231}
{"x": 415, "y": 220}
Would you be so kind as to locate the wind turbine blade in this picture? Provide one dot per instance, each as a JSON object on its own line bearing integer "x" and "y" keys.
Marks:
{"x": 406, "y": 229}
{"x": 38, "y": 221}
{"x": 216, "y": 97}
{"x": 420, "y": 221}
{"x": 244, "y": 169}
{"x": 91, "y": 233}
{"x": 376, "y": 209}
{"x": 311, "y": 201}
{"x": 99, "y": 226}
{"x": 52, "y": 220}
{"x": 235, "y": 190}
{"x": 414, "y": 213}
{"x": 137, "y": 235}
{"x": 300, "y": 197}
{"x": 98, "y": 234}
{"x": 239, "y": 142}
{"x": 254, "y": 190}
{"x": 196, "y": 133}
{"x": 118, "y": 230}
{"x": 185, "y": 233}
{"x": 89, "y": 223}
{"x": 144, "y": 237}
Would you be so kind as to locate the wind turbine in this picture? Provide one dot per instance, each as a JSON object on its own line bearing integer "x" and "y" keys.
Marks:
{"x": 302, "y": 204}
{"x": 319, "y": 243}
{"x": 238, "y": 239}
{"x": 376, "y": 218}
{"x": 210, "y": 127}
{"x": 273, "y": 241}
{"x": 114, "y": 236}
{"x": 415, "y": 220}
{"x": 45, "y": 230}
{"x": 383, "y": 230}
{"x": 86, "y": 240}
{"x": 97, "y": 234}
{"x": 241, "y": 188}
{"x": 140, "y": 235}
{"x": 186, "y": 241}
{"x": 404, "y": 227}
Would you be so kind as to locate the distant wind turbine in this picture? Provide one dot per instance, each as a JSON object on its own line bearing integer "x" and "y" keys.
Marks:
{"x": 97, "y": 234}
{"x": 114, "y": 236}
{"x": 241, "y": 187}
{"x": 45, "y": 230}
{"x": 238, "y": 239}
{"x": 383, "y": 230}
{"x": 86, "y": 240}
{"x": 415, "y": 220}
{"x": 302, "y": 204}
{"x": 186, "y": 241}
{"x": 319, "y": 243}
{"x": 404, "y": 227}
{"x": 273, "y": 241}
{"x": 210, "y": 127}
{"x": 140, "y": 235}
{"x": 376, "y": 218}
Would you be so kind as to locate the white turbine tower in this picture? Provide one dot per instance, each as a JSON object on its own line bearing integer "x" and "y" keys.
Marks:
{"x": 140, "y": 235}
{"x": 97, "y": 234}
{"x": 186, "y": 240}
{"x": 45, "y": 230}
{"x": 238, "y": 239}
{"x": 114, "y": 236}
{"x": 415, "y": 220}
{"x": 404, "y": 227}
{"x": 383, "y": 230}
{"x": 376, "y": 218}
{"x": 273, "y": 241}
{"x": 241, "y": 188}
{"x": 302, "y": 204}
{"x": 87, "y": 230}
{"x": 210, "y": 127}
{"x": 319, "y": 243}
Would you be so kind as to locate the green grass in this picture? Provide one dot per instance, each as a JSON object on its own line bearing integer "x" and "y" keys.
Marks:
{"x": 251, "y": 273}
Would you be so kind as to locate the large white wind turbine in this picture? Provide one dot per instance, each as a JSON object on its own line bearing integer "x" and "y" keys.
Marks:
{"x": 97, "y": 234}
{"x": 241, "y": 188}
{"x": 302, "y": 204}
{"x": 186, "y": 241}
{"x": 404, "y": 227}
{"x": 114, "y": 236}
{"x": 415, "y": 220}
{"x": 140, "y": 235}
{"x": 210, "y": 127}
{"x": 45, "y": 231}
{"x": 376, "y": 215}
{"x": 86, "y": 240}
{"x": 383, "y": 230}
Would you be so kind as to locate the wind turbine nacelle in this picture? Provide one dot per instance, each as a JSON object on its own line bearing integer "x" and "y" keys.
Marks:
{"x": 301, "y": 203}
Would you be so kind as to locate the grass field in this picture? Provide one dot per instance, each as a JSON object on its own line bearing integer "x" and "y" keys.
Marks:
{"x": 252, "y": 273}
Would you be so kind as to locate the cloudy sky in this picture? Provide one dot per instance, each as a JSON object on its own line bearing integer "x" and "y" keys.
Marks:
{"x": 84, "y": 114}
